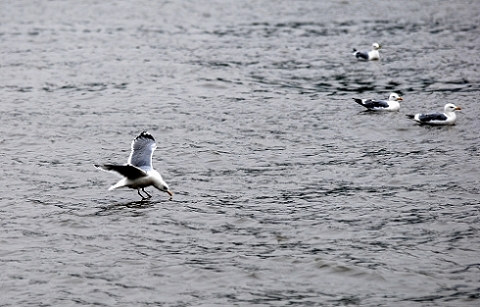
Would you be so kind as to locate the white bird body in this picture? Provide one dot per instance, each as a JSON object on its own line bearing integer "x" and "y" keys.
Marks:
{"x": 448, "y": 117}
{"x": 138, "y": 171}
{"x": 152, "y": 178}
{"x": 371, "y": 55}
{"x": 392, "y": 104}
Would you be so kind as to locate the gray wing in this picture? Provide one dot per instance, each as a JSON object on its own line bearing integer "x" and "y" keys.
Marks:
{"x": 432, "y": 117}
{"x": 375, "y": 104}
{"x": 129, "y": 171}
{"x": 372, "y": 103}
{"x": 363, "y": 55}
{"x": 142, "y": 151}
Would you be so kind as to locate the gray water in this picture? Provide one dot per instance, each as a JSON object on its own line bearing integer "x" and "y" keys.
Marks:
{"x": 287, "y": 193}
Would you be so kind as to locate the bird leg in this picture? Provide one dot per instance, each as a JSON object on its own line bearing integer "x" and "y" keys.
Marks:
{"x": 149, "y": 196}
{"x": 143, "y": 197}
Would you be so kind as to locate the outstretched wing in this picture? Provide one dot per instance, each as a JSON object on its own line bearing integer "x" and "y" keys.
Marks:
{"x": 432, "y": 117}
{"x": 129, "y": 171}
{"x": 142, "y": 151}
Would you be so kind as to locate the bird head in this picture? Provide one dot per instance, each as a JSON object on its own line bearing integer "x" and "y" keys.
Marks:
{"x": 450, "y": 107}
{"x": 394, "y": 97}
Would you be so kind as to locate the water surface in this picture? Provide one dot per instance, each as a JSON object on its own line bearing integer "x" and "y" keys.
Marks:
{"x": 287, "y": 193}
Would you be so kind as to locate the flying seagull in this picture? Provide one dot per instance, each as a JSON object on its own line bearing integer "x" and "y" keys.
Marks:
{"x": 392, "y": 104}
{"x": 138, "y": 171}
{"x": 448, "y": 117}
{"x": 368, "y": 55}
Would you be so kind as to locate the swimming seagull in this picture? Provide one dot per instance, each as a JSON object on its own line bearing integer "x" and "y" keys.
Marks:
{"x": 138, "y": 171}
{"x": 448, "y": 116}
{"x": 381, "y": 105}
{"x": 368, "y": 55}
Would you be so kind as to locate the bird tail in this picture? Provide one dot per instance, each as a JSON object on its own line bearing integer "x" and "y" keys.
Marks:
{"x": 359, "y": 101}
{"x": 354, "y": 51}
{"x": 117, "y": 185}
{"x": 108, "y": 167}
{"x": 411, "y": 116}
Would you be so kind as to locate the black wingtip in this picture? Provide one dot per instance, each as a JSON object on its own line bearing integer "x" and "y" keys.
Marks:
{"x": 145, "y": 135}
{"x": 100, "y": 167}
{"x": 411, "y": 116}
{"x": 359, "y": 101}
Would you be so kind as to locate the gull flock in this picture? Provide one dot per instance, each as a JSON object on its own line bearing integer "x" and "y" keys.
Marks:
{"x": 445, "y": 118}
{"x": 138, "y": 173}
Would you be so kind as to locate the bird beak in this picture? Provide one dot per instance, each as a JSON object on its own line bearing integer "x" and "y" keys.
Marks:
{"x": 458, "y": 108}
{"x": 400, "y": 98}
{"x": 170, "y": 193}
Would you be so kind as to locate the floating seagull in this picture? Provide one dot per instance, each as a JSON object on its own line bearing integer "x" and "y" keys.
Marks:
{"x": 381, "y": 105}
{"x": 138, "y": 171}
{"x": 368, "y": 55}
{"x": 448, "y": 116}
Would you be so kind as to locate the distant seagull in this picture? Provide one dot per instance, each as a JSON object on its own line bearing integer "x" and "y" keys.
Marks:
{"x": 381, "y": 105}
{"x": 368, "y": 55}
{"x": 138, "y": 171}
{"x": 448, "y": 116}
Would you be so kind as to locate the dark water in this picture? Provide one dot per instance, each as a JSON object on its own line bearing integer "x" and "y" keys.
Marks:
{"x": 286, "y": 192}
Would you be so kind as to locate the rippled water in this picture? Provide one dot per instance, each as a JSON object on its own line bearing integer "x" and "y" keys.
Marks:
{"x": 286, "y": 192}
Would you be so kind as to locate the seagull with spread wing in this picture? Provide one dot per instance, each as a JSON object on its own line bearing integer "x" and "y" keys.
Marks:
{"x": 138, "y": 171}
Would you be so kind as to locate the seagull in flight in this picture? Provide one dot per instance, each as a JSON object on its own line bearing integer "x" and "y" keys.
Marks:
{"x": 138, "y": 173}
